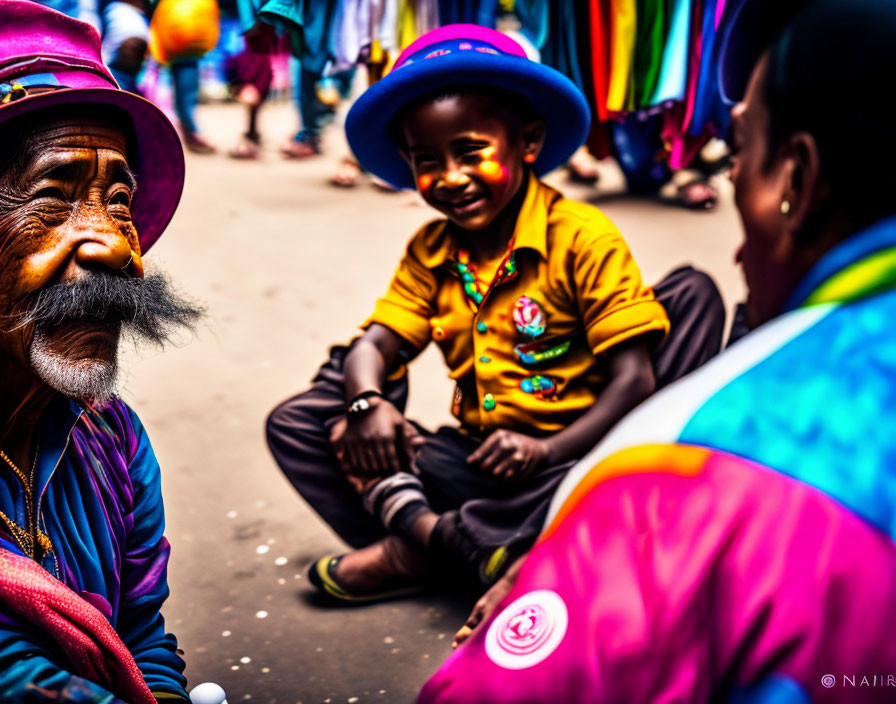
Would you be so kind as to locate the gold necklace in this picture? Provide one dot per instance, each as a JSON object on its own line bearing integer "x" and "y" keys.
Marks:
{"x": 31, "y": 537}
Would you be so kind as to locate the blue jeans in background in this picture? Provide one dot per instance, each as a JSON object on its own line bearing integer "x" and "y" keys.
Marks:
{"x": 314, "y": 114}
{"x": 185, "y": 76}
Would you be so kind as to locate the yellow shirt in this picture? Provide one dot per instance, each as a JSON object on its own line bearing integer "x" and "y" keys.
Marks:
{"x": 528, "y": 357}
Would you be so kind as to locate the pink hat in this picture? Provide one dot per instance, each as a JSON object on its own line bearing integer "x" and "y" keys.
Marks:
{"x": 42, "y": 48}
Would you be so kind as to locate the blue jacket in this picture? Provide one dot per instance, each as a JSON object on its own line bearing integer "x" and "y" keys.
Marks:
{"x": 97, "y": 486}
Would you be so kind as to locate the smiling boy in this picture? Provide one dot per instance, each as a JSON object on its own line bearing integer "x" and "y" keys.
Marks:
{"x": 534, "y": 300}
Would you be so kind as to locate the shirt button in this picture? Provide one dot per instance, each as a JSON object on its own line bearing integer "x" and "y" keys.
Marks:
{"x": 438, "y": 333}
{"x": 481, "y": 327}
{"x": 488, "y": 402}
{"x": 484, "y": 359}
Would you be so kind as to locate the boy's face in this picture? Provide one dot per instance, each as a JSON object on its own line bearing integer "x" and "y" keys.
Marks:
{"x": 467, "y": 163}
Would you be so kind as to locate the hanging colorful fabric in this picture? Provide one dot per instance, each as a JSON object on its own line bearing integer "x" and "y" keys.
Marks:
{"x": 528, "y": 317}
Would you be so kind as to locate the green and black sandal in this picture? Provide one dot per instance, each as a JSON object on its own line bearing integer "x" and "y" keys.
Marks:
{"x": 322, "y": 574}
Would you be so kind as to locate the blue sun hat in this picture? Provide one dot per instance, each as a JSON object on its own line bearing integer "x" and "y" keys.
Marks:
{"x": 458, "y": 55}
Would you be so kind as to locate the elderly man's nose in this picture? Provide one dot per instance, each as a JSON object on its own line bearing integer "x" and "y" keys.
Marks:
{"x": 102, "y": 244}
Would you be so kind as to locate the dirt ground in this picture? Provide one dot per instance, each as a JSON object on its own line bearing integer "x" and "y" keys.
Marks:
{"x": 288, "y": 265}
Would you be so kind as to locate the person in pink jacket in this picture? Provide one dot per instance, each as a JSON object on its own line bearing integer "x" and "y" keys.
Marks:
{"x": 732, "y": 539}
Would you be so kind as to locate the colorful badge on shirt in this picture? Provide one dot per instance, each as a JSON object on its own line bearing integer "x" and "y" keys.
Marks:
{"x": 534, "y": 353}
{"x": 540, "y": 386}
{"x": 528, "y": 317}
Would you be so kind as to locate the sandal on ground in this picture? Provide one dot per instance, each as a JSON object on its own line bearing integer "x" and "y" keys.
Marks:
{"x": 322, "y": 574}
{"x": 714, "y": 157}
{"x": 691, "y": 190}
{"x": 249, "y": 147}
{"x": 299, "y": 150}
{"x": 347, "y": 176}
{"x": 196, "y": 143}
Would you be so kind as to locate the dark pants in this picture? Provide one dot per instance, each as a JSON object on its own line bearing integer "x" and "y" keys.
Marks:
{"x": 491, "y": 513}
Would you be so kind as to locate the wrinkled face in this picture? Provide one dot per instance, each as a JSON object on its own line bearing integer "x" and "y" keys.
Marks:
{"x": 467, "y": 163}
{"x": 760, "y": 179}
{"x": 65, "y": 217}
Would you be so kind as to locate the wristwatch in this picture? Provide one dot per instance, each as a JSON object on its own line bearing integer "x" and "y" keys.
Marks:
{"x": 360, "y": 404}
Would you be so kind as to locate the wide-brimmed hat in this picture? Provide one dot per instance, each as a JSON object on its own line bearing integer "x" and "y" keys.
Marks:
{"x": 56, "y": 61}
{"x": 456, "y": 56}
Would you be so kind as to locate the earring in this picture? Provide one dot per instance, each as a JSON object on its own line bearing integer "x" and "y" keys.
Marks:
{"x": 529, "y": 158}
{"x": 785, "y": 207}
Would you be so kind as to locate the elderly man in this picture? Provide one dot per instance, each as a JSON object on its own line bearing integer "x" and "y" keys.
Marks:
{"x": 82, "y": 555}
{"x": 734, "y": 538}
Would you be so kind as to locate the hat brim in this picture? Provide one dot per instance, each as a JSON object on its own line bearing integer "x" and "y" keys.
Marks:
{"x": 157, "y": 157}
{"x": 553, "y": 97}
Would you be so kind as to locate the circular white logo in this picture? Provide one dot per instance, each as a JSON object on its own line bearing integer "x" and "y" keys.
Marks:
{"x": 528, "y": 630}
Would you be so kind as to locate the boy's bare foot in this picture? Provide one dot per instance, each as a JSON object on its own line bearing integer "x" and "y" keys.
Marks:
{"x": 388, "y": 567}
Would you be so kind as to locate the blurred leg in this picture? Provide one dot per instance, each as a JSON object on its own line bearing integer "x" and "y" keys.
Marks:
{"x": 185, "y": 75}
{"x": 697, "y": 321}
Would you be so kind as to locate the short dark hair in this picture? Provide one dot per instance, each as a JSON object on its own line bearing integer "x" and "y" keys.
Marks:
{"x": 509, "y": 107}
{"x": 828, "y": 74}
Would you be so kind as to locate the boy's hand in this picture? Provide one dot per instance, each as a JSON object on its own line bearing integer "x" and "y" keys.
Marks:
{"x": 510, "y": 455}
{"x": 374, "y": 443}
{"x": 484, "y": 608}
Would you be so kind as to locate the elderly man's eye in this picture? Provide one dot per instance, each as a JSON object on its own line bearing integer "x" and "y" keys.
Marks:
{"x": 121, "y": 198}
{"x": 51, "y": 192}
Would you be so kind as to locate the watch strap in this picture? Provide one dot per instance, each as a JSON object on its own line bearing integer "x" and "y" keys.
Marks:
{"x": 370, "y": 393}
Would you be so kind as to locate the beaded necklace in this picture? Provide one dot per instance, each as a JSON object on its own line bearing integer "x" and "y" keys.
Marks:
{"x": 31, "y": 537}
{"x": 470, "y": 279}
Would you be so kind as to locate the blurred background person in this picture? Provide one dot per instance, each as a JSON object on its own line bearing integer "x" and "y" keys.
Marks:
{"x": 125, "y": 39}
{"x": 181, "y": 32}
{"x": 250, "y": 74}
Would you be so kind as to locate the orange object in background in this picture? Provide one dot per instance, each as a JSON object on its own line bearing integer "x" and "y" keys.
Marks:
{"x": 183, "y": 29}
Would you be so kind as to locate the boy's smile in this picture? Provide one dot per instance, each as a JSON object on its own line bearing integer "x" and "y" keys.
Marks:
{"x": 469, "y": 161}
